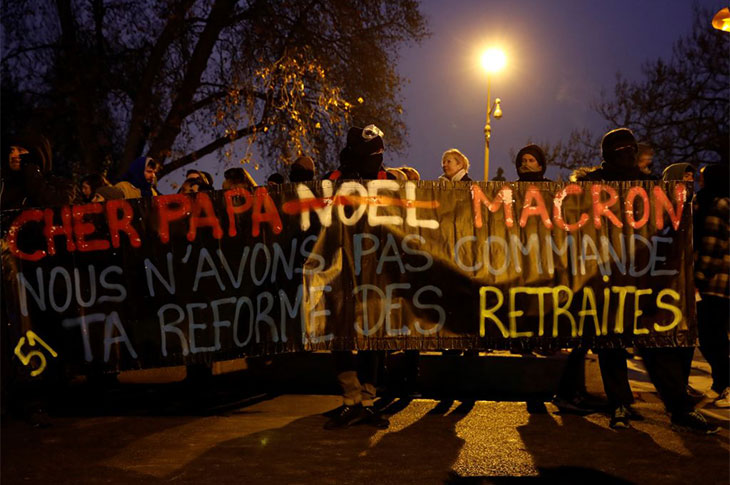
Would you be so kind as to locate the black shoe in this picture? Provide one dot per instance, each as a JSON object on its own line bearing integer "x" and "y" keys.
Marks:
{"x": 373, "y": 418}
{"x": 620, "y": 418}
{"x": 536, "y": 406}
{"x": 693, "y": 422}
{"x": 347, "y": 416}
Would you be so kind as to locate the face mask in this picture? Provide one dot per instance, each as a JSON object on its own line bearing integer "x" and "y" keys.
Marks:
{"x": 623, "y": 157}
{"x": 524, "y": 168}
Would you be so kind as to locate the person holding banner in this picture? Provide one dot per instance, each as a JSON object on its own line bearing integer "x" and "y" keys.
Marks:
{"x": 665, "y": 365}
{"x": 362, "y": 158}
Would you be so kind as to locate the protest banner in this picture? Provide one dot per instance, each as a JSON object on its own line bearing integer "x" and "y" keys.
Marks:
{"x": 350, "y": 265}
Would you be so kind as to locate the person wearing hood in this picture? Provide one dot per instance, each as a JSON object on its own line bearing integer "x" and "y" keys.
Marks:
{"x": 455, "y": 166}
{"x": 531, "y": 164}
{"x": 142, "y": 174}
{"x": 619, "y": 151}
{"x": 362, "y": 158}
{"x": 26, "y": 178}
{"x": 679, "y": 171}
{"x": 665, "y": 366}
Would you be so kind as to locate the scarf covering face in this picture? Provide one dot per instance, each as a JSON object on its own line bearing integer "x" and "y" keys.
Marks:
{"x": 523, "y": 172}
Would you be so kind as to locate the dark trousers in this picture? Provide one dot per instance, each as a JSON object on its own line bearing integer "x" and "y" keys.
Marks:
{"x": 713, "y": 314}
{"x": 573, "y": 380}
{"x": 357, "y": 377}
{"x": 666, "y": 369}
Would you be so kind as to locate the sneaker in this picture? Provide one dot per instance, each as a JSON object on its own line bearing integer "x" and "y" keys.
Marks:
{"x": 373, "y": 418}
{"x": 347, "y": 416}
{"x": 619, "y": 418}
{"x": 723, "y": 400}
{"x": 693, "y": 422}
{"x": 634, "y": 414}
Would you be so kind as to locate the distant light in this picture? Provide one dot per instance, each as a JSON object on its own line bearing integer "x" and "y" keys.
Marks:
{"x": 494, "y": 60}
{"x": 721, "y": 20}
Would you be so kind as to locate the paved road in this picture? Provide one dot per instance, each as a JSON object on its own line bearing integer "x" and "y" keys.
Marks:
{"x": 280, "y": 440}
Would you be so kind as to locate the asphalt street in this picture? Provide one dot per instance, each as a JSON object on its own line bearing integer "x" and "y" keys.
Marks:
{"x": 160, "y": 433}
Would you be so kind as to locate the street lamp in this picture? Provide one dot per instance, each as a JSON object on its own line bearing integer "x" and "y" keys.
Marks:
{"x": 493, "y": 61}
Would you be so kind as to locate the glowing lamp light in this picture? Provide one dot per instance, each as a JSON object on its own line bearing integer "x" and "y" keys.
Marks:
{"x": 721, "y": 20}
{"x": 494, "y": 60}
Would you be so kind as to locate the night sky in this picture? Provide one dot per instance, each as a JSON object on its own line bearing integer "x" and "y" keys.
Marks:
{"x": 560, "y": 55}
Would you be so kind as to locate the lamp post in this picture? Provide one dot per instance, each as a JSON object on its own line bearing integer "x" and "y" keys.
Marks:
{"x": 493, "y": 60}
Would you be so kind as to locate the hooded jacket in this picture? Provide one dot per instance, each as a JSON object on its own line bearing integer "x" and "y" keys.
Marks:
{"x": 32, "y": 185}
{"x": 676, "y": 171}
{"x": 527, "y": 176}
{"x": 135, "y": 176}
{"x": 361, "y": 158}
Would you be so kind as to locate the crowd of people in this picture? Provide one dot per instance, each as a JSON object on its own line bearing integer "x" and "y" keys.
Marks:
{"x": 27, "y": 182}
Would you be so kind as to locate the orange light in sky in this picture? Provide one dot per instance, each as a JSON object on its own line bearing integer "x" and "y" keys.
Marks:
{"x": 494, "y": 60}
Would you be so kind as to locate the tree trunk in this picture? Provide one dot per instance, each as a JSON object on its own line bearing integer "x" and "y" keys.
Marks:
{"x": 74, "y": 79}
{"x": 218, "y": 18}
{"x": 136, "y": 134}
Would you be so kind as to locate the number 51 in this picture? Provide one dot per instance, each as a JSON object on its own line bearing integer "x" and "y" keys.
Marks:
{"x": 33, "y": 339}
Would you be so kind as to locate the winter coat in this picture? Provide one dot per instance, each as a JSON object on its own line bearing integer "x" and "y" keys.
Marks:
{"x": 712, "y": 268}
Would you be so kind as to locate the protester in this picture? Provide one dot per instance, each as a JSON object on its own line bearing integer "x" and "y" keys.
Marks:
{"x": 238, "y": 177}
{"x": 664, "y": 365}
{"x": 302, "y": 170}
{"x": 195, "y": 184}
{"x": 531, "y": 164}
{"x": 27, "y": 180}
{"x": 142, "y": 174}
{"x": 679, "y": 171}
{"x": 455, "y": 166}
{"x": 275, "y": 179}
{"x": 362, "y": 158}
{"x": 90, "y": 183}
{"x": 645, "y": 158}
{"x": 193, "y": 174}
{"x": 712, "y": 279}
